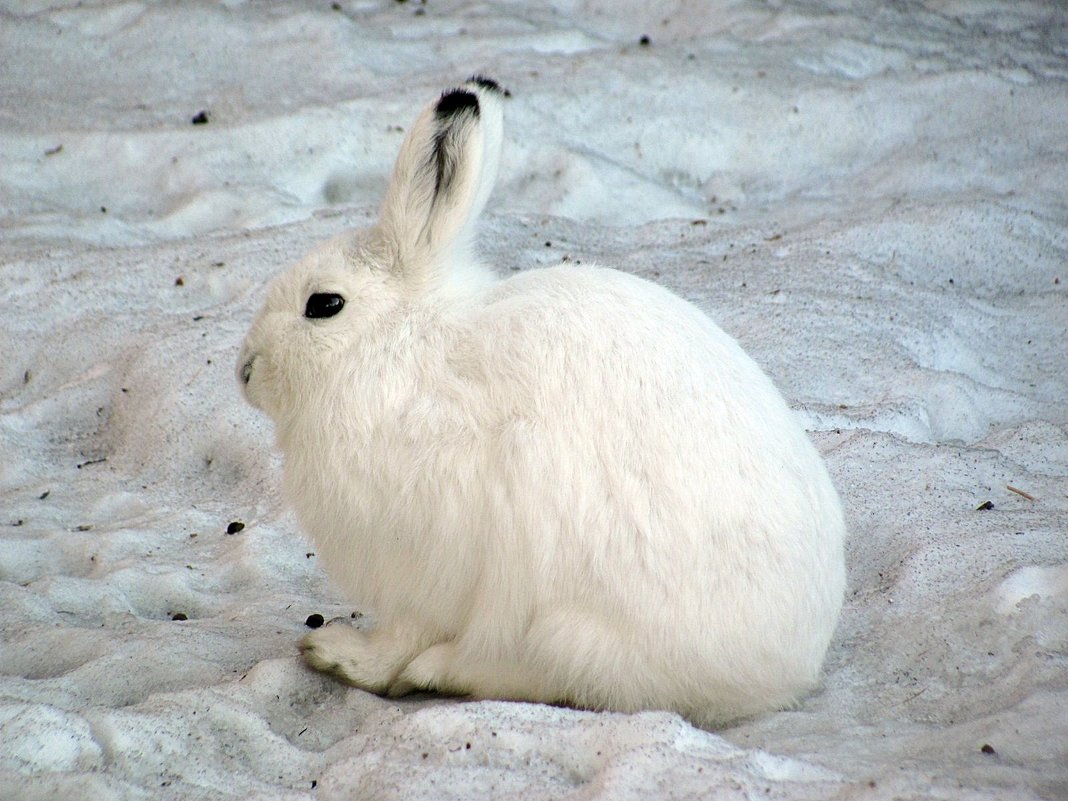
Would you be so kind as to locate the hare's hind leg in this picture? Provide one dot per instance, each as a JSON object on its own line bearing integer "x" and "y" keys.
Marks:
{"x": 368, "y": 660}
{"x": 445, "y": 669}
{"x": 566, "y": 656}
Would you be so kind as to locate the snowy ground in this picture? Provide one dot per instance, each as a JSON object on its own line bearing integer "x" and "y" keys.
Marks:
{"x": 871, "y": 197}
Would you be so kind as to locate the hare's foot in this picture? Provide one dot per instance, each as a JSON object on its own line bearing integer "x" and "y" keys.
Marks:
{"x": 370, "y": 661}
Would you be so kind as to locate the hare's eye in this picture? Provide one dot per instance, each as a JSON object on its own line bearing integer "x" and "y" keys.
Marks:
{"x": 323, "y": 304}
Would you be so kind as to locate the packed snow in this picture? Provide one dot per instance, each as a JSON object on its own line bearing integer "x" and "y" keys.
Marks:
{"x": 870, "y": 197}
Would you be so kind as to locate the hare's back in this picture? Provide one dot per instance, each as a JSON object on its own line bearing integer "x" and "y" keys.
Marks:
{"x": 624, "y": 376}
{"x": 596, "y": 341}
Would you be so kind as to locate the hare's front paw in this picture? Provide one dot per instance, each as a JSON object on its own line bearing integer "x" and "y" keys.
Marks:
{"x": 367, "y": 661}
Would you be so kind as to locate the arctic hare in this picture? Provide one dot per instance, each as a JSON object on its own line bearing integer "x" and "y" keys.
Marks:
{"x": 567, "y": 486}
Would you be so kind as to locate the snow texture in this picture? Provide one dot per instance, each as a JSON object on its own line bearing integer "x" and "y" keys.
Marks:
{"x": 871, "y": 197}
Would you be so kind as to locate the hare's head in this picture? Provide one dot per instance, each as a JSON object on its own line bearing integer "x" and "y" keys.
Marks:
{"x": 318, "y": 311}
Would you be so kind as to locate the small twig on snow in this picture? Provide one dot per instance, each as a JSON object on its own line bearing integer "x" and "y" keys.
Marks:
{"x": 1020, "y": 492}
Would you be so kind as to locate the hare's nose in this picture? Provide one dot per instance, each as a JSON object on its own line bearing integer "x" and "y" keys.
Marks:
{"x": 246, "y": 370}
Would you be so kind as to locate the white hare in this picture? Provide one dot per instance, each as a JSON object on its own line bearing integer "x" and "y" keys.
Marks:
{"x": 567, "y": 486}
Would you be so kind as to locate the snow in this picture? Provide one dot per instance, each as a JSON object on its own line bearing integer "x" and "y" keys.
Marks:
{"x": 870, "y": 197}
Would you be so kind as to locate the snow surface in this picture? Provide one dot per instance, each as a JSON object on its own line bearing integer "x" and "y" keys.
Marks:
{"x": 871, "y": 197}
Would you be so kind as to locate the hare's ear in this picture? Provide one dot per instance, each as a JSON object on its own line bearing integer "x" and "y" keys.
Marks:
{"x": 443, "y": 176}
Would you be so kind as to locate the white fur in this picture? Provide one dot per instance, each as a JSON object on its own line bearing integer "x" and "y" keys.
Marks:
{"x": 567, "y": 486}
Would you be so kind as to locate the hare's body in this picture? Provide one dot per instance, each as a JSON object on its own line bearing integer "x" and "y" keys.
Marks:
{"x": 566, "y": 486}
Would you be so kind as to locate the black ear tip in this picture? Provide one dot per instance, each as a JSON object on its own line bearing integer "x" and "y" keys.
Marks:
{"x": 488, "y": 84}
{"x": 456, "y": 101}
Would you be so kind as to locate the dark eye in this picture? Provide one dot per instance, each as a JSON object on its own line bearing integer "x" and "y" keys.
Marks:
{"x": 323, "y": 304}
